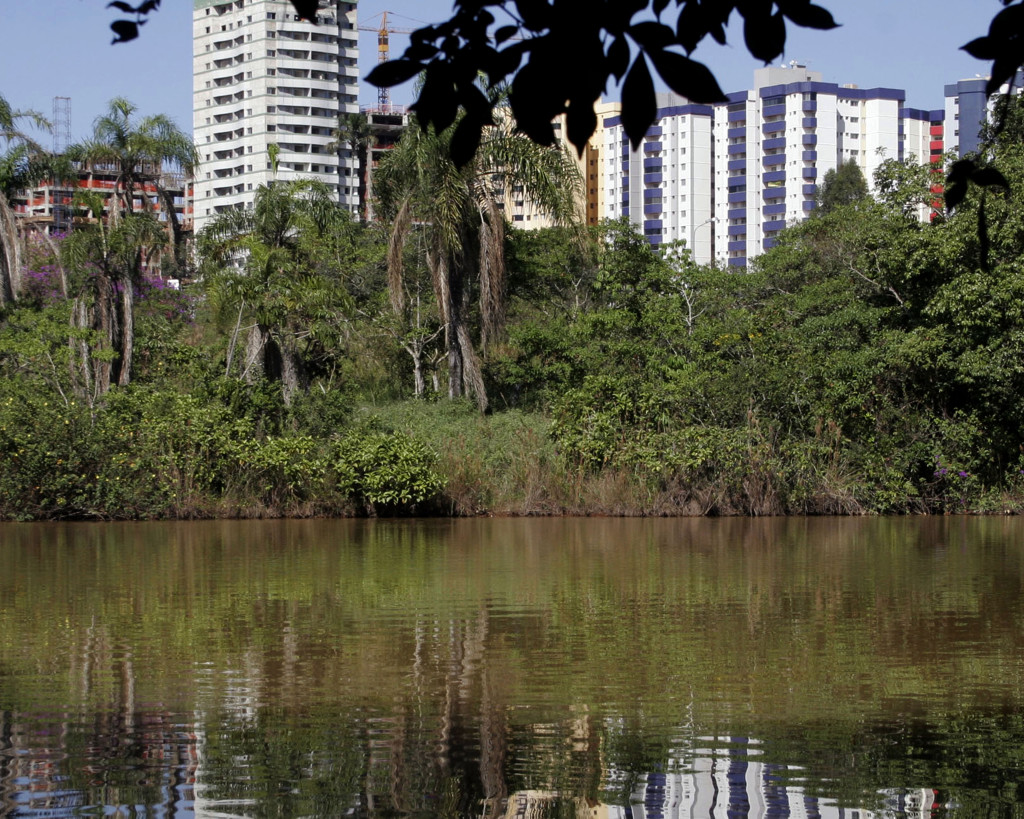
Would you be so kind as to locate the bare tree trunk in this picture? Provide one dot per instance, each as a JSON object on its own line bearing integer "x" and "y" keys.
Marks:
{"x": 10, "y": 254}
{"x": 127, "y": 344}
{"x": 81, "y": 364}
{"x": 104, "y": 322}
{"x": 293, "y": 373}
{"x": 177, "y": 235}
{"x": 418, "y": 384}
{"x": 234, "y": 339}
{"x": 255, "y": 354}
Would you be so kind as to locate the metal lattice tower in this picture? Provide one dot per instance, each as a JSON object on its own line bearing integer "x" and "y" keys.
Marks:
{"x": 61, "y": 124}
{"x": 62, "y": 221}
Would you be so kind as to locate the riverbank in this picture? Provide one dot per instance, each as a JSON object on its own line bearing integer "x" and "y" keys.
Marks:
{"x": 154, "y": 455}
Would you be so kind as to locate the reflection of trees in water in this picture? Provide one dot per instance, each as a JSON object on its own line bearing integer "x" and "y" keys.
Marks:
{"x": 443, "y": 666}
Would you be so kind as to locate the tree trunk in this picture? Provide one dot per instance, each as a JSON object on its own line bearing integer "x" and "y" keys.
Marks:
{"x": 418, "y": 384}
{"x": 177, "y": 235}
{"x": 293, "y": 373}
{"x": 127, "y": 342}
{"x": 81, "y": 360}
{"x": 105, "y": 323}
{"x": 255, "y": 354}
{"x": 10, "y": 254}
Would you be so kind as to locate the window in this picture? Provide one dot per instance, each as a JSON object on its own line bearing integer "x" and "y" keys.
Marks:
{"x": 271, "y": 15}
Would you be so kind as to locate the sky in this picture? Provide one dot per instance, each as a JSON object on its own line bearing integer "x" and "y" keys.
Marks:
{"x": 52, "y": 48}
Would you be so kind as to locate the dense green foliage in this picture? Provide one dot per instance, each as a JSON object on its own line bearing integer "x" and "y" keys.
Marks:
{"x": 870, "y": 362}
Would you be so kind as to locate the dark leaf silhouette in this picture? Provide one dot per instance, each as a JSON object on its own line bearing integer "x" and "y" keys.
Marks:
{"x": 639, "y": 89}
{"x": 306, "y": 8}
{"x": 808, "y": 15}
{"x": 124, "y": 30}
{"x": 394, "y": 72}
{"x": 688, "y": 77}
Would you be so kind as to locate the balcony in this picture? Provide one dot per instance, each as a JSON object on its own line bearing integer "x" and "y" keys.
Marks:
{"x": 773, "y": 127}
{"x": 773, "y": 160}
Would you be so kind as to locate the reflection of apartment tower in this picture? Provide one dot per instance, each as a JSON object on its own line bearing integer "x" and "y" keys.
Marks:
{"x": 261, "y": 78}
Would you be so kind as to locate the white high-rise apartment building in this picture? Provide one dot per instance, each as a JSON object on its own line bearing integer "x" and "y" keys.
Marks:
{"x": 262, "y": 77}
{"x": 665, "y": 186}
{"x": 727, "y": 178}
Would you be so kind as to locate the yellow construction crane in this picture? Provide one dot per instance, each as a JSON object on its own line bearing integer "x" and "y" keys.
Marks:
{"x": 383, "y": 51}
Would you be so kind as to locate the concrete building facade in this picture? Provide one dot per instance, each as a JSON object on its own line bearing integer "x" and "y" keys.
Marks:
{"x": 262, "y": 77}
{"x": 664, "y": 186}
{"x": 726, "y": 179}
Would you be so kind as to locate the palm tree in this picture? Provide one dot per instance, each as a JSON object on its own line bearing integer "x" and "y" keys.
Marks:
{"x": 108, "y": 258}
{"x": 141, "y": 152}
{"x": 22, "y": 163}
{"x": 461, "y": 212}
{"x": 354, "y": 130}
{"x": 294, "y": 233}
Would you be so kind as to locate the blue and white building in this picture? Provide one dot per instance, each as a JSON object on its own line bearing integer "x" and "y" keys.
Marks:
{"x": 726, "y": 179}
{"x": 664, "y": 186}
{"x": 775, "y": 143}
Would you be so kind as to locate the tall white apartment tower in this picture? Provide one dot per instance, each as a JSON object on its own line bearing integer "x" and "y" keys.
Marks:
{"x": 665, "y": 185}
{"x": 262, "y": 77}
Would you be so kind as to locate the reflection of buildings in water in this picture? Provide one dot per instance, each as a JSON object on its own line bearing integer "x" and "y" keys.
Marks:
{"x": 54, "y": 766}
{"x": 727, "y": 786}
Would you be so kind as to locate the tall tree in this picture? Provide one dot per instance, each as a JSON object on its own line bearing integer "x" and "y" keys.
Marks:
{"x": 22, "y": 163}
{"x": 460, "y": 210}
{"x": 843, "y": 185}
{"x": 354, "y": 130}
{"x": 277, "y": 268}
{"x": 107, "y": 257}
{"x": 143, "y": 152}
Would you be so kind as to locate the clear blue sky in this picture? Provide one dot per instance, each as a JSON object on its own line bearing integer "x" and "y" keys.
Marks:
{"x": 54, "y": 48}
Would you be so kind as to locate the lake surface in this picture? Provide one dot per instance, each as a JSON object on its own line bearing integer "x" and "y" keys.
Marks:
{"x": 598, "y": 668}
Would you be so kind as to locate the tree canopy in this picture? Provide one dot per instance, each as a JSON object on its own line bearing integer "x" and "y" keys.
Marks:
{"x": 844, "y": 185}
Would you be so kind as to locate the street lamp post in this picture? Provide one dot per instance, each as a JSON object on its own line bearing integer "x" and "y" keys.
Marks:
{"x": 693, "y": 236}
